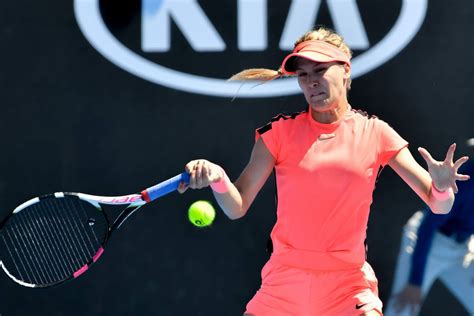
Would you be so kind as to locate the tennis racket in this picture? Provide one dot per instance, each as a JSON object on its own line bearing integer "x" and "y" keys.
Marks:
{"x": 55, "y": 238}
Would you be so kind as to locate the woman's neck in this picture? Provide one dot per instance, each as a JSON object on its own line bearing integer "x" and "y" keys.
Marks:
{"x": 332, "y": 115}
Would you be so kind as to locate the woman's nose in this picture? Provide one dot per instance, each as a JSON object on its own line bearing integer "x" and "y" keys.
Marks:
{"x": 314, "y": 83}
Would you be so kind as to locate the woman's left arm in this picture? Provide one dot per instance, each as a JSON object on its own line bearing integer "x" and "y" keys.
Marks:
{"x": 441, "y": 174}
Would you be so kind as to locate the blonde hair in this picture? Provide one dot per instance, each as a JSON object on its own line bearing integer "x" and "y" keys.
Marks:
{"x": 321, "y": 33}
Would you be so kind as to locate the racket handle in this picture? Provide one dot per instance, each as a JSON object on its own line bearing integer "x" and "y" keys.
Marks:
{"x": 165, "y": 187}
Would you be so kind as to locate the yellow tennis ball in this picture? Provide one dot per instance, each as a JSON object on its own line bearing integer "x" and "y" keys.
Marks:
{"x": 201, "y": 213}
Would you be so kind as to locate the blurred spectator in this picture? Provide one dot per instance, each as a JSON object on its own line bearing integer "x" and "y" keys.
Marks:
{"x": 437, "y": 247}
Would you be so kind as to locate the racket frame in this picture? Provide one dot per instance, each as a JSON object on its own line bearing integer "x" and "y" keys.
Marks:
{"x": 133, "y": 202}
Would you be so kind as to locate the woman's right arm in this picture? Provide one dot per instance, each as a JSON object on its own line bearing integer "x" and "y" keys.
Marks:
{"x": 238, "y": 196}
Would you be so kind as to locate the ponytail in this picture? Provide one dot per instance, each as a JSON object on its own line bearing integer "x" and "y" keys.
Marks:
{"x": 261, "y": 74}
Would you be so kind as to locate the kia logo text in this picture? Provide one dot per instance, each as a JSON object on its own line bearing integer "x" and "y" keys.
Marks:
{"x": 252, "y": 33}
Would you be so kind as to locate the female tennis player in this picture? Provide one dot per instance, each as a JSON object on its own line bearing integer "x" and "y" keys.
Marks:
{"x": 326, "y": 161}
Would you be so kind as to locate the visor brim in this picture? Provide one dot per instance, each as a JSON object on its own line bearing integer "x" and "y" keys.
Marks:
{"x": 289, "y": 63}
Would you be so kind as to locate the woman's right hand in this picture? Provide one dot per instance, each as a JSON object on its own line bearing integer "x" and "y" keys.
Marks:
{"x": 234, "y": 198}
{"x": 201, "y": 174}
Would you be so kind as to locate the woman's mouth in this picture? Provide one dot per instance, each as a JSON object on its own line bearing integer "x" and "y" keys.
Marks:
{"x": 316, "y": 94}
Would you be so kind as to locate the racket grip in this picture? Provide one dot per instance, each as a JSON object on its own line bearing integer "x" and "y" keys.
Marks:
{"x": 165, "y": 187}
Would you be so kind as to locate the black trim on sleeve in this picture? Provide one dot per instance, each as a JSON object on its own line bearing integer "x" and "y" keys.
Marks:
{"x": 262, "y": 130}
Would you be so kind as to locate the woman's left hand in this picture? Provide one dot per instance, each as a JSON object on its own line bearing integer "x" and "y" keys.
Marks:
{"x": 445, "y": 173}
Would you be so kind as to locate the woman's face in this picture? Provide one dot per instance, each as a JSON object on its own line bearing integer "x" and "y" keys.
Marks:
{"x": 323, "y": 84}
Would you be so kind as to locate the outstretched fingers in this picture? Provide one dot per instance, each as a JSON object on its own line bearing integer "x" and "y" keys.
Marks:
{"x": 444, "y": 174}
{"x": 457, "y": 165}
{"x": 454, "y": 186}
{"x": 426, "y": 156}
{"x": 450, "y": 154}
{"x": 460, "y": 162}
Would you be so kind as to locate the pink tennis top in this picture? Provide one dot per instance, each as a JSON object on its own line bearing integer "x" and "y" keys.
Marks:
{"x": 325, "y": 176}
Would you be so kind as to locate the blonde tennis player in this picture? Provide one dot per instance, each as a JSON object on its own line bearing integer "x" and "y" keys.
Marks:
{"x": 326, "y": 160}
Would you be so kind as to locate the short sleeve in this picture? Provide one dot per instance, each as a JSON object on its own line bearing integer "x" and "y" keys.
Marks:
{"x": 390, "y": 142}
{"x": 271, "y": 135}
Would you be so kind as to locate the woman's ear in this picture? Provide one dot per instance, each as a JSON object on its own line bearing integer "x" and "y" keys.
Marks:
{"x": 347, "y": 71}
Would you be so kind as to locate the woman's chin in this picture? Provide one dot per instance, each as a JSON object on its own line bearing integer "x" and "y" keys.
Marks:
{"x": 320, "y": 105}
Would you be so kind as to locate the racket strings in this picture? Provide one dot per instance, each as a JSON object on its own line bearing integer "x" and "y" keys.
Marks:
{"x": 63, "y": 238}
{"x": 70, "y": 236}
{"x": 88, "y": 247}
{"x": 30, "y": 255}
{"x": 48, "y": 241}
{"x": 55, "y": 231}
{"x": 11, "y": 255}
{"x": 33, "y": 244}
